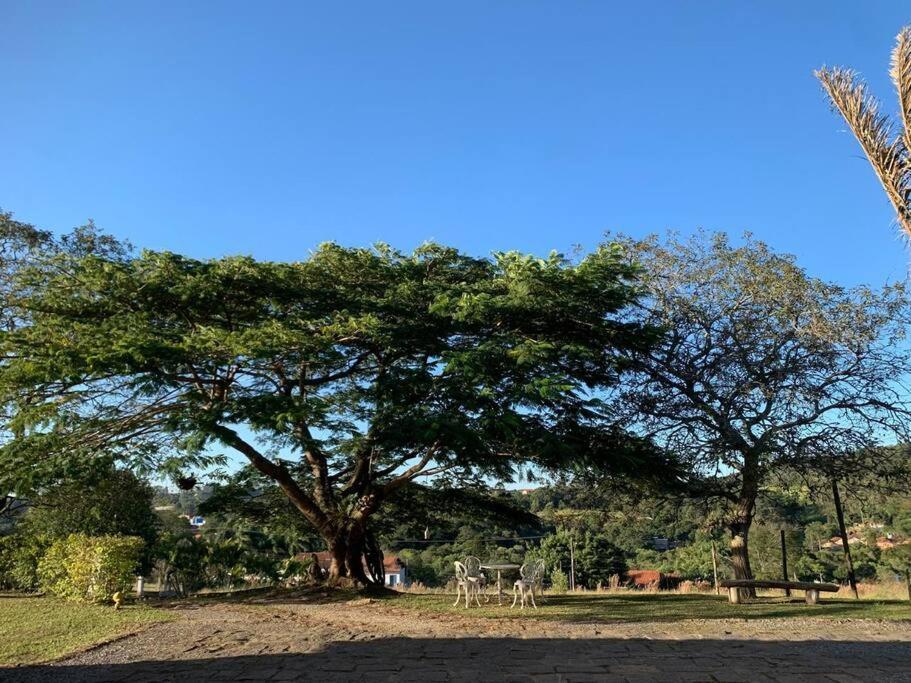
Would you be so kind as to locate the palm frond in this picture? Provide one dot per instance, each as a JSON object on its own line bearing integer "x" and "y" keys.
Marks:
{"x": 901, "y": 77}
{"x": 887, "y": 152}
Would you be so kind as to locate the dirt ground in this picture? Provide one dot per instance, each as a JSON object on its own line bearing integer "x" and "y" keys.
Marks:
{"x": 366, "y": 640}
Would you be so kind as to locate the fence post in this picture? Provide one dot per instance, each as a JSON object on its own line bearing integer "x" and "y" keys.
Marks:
{"x": 572, "y": 564}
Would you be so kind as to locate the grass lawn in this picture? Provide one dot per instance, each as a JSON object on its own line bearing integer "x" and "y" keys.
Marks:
{"x": 639, "y": 607}
{"x": 38, "y": 629}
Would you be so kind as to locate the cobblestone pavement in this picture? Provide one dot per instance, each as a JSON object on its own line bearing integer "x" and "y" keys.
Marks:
{"x": 378, "y": 643}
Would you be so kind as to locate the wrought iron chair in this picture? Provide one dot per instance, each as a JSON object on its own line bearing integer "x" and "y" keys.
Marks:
{"x": 524, "y": 587}
{"x": 540, "y": 567}
{"x": 467, "y": 583}
{"x": 473, "y": 567}
{"x": 533, "y": 574}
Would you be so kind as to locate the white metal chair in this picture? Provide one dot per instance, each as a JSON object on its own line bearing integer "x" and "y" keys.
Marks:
{"x": 464, "y": 582}
{"x": 473, "y": 568}
{"x": 524, "y": 587}
{"x": 531, "y": 579}
{"x": 538, "y": 578}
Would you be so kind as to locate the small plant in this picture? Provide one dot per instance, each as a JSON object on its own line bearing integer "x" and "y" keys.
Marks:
{"x": 559, "y": 582}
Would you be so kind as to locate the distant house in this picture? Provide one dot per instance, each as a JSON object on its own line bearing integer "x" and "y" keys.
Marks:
{"x": 395, "y": 568}
{"x": 195, "y": 521}
{"x": 882, "y": 541}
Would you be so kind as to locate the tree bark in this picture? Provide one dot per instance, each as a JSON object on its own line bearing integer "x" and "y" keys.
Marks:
{"x": 347, "y": 550}
{"x": 740, "y": 554}
{"x": 742, "y": 519}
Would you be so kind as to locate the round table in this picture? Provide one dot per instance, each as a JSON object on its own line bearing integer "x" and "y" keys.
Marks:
{"x": 498, "y": 568}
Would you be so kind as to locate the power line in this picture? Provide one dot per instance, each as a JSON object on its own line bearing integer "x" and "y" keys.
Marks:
{"x": 396, "y": 541}
{"x": 456, "y": 540}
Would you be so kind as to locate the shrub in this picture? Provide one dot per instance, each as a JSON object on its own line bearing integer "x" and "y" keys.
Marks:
{"x": 559, "y": 581}
{"x": 181, "y": 564}
{"x": 19, "y": 557}
{"x": 89, "y": 568}
{"x": 107, "y": 502}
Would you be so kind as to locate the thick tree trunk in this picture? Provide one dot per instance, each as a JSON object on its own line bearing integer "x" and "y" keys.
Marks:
{"x": 347, "y": 549}
{"x": 339, "y": 552}
{"x": 740, "y": 553}
{"x": 741, "y": 522}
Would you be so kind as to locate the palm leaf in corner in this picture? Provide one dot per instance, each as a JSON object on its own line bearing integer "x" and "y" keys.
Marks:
{"x": 887, "y": 150}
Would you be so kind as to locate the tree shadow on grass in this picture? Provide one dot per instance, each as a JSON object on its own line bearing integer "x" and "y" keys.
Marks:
{"x": 631, "y": 607}
{"x": 311, "y": 595}
{"x": 555, "y": 660}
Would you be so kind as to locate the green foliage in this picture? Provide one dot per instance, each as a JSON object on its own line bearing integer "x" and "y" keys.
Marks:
{"x": 342, "y": 377}
{"x": 596, "y": 558}
{"x": 181, "y": 562}
{"x": 19, "y": 558}
{"x": 112, "y": 502}
{"x": 89, "y": 568}
{"x": 223, "y": 554}
{"x": 694, "y": 560}
{"x": 559, "y": 581}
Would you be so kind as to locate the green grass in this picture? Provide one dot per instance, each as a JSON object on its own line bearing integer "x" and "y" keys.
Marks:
{"x": 38, "y": 629}
{"x": 632, "y": 607}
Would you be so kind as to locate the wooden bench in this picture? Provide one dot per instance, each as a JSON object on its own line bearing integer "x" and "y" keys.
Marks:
{"x": 812, "y": 589}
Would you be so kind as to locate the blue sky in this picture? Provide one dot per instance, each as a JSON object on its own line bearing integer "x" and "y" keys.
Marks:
{"x": 266, "y": 128}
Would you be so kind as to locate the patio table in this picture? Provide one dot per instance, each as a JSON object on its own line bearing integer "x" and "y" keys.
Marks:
{"x": 498, "y": 568}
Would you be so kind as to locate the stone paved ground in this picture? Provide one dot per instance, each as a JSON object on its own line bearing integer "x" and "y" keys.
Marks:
{"x": 376, "y": 642}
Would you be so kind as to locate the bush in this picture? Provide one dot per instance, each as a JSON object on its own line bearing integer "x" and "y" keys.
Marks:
{"x": 559, "y": 581}
{"x": 111, "y": 502}
{"x": 89, "y": 568}
{"x": 181, "y": 563}
{"x": 19, "y": 557}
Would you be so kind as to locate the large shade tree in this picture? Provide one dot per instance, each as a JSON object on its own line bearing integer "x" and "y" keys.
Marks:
{"x": 762, "y": 370}
{"x": 342, "y": 377}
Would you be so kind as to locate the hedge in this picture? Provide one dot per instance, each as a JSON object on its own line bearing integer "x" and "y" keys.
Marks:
{"x": 89, "y": 568}
{"x": 19, "y": 557}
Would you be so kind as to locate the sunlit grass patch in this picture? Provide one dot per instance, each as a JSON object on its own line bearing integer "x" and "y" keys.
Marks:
{"x": 38, "y": 629}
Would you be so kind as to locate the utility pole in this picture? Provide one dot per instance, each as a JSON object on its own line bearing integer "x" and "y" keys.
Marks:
{"x": 844, "y": 537}
{"x": 572, "y": 563}
{"x": 715, "y": 568}
{"x": 784, "y": 562}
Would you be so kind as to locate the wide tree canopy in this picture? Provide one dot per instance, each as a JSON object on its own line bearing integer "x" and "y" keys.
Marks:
{"x": 341, "y": 377}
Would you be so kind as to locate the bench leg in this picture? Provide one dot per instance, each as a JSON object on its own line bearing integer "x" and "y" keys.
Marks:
{"x": 734, "y": 595}
{"x": 812, "y": 597}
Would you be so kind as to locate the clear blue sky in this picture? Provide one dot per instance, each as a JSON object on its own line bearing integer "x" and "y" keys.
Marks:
{"x": 266, "y": 128}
